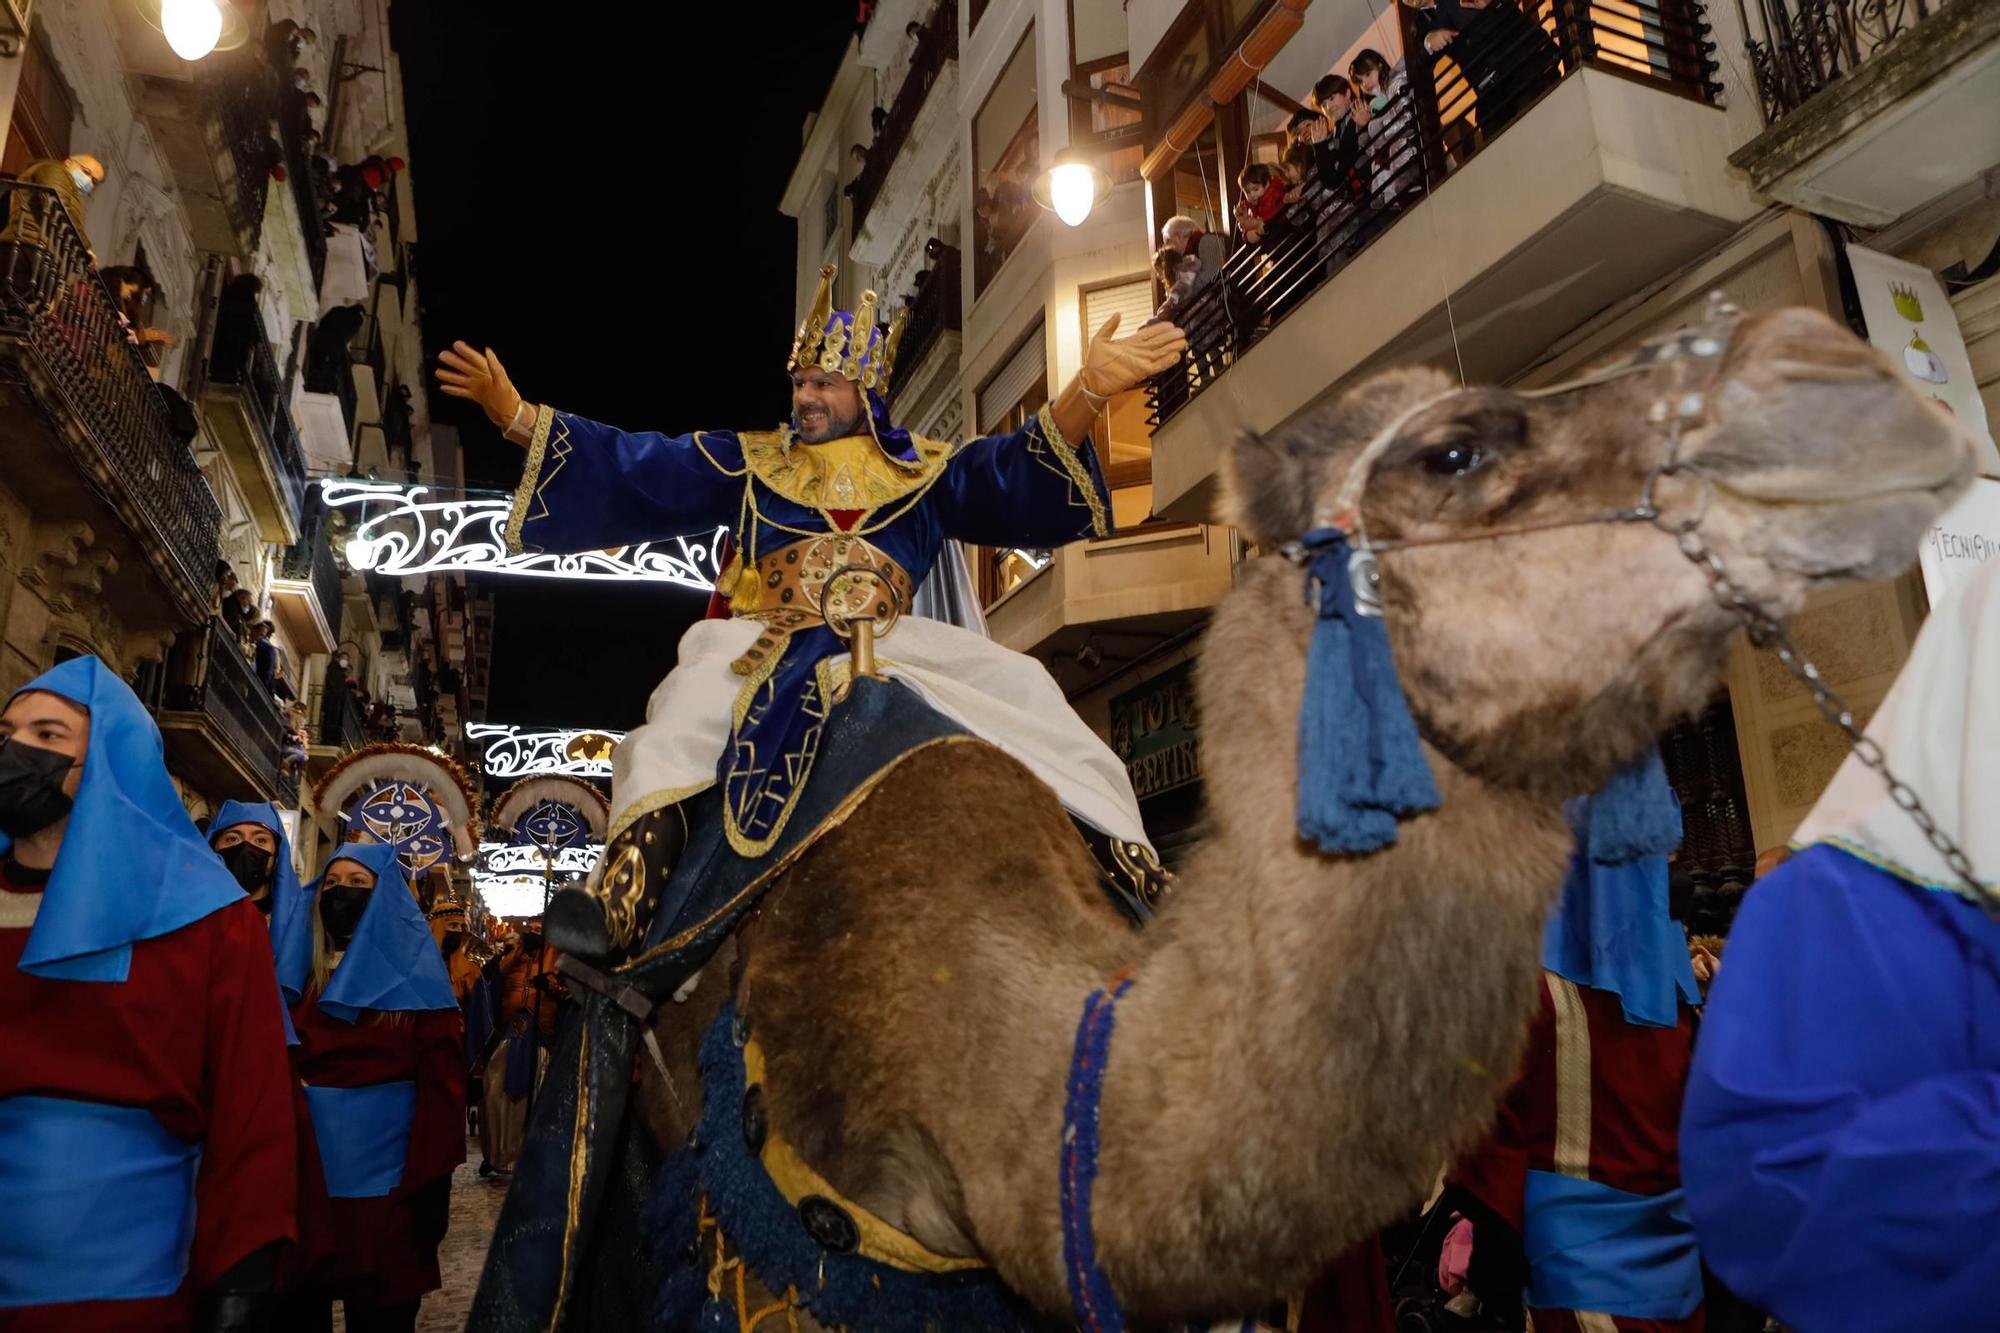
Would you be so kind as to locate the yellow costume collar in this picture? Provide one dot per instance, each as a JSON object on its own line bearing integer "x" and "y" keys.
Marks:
{"x": 795, "y": 1180}
{"x": 850, "y": 473}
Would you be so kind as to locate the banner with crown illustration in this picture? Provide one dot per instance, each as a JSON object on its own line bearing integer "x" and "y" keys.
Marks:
{"x": 1910, "y": 317}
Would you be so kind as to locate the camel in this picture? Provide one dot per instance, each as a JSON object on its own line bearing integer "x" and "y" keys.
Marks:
{"x": 1308, "y": 1037}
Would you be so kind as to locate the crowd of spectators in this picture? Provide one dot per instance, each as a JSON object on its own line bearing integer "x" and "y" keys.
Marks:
{"x": 1360, "y": 150}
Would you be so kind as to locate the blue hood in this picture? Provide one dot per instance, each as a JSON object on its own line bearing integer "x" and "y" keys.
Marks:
{"x": 287, "y": 896}
{"x": 392, "y": 964}
{"x": 132, "y": 865}
{"x": 1612, "y": 931}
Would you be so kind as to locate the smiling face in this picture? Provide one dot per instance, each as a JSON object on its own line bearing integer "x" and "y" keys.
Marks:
{"x": 825, "y": 406}
{"x": 1541, "y": 647}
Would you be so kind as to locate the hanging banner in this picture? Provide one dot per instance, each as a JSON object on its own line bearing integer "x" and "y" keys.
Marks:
{"x": 1910, "y": 317}
{"x": 1964, "y": 537}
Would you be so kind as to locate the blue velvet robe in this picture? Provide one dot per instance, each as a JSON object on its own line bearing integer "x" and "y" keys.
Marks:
{"x": 1840, "y": 1143}
{"x": 588, "y": 486}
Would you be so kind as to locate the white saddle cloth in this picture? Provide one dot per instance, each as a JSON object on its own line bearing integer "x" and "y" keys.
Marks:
{"x": 996, "y": 694}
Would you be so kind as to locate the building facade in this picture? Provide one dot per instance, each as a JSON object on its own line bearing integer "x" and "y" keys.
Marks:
{"x": 229, "y": 316}
{"x": 1542, "y": 193}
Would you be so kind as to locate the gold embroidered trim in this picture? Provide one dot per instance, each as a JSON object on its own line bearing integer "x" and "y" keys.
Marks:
{"x": 1079, "y": 474}
{"x": 741, "y": 843}
{"x": 713, "y": 461}
{"x": 834, "y": 818}
{"x": 578, "y": 1161}
{"x": 532, "y": 479}
{"x": 796, "y": 1180}
{"x": 850, "y": 473}
{"x": 1572, "y": 1147}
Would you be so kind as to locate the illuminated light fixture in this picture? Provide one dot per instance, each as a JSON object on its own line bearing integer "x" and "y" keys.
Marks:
{"x": 1072, "y": 187}
{"x": 511, "y": 895}
{"x": 521, "y": 858}
{"x": 519, "y": 752}
{"x": 405, "y": 530}
{"x": 195, "y": 28}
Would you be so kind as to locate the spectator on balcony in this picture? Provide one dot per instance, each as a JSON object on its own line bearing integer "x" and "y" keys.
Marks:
{"x": 285, "y": 42}
{"x": 264, "y": 654}
{"x": 1337, "y": 149}
{"x": 1202, "y": 257}
{"x": 132, "y": 290}
{"x": 1387, "y": 122}
{"x": 72, "y": 179}
{"x": 1508, "y": 58}
{"x": 238, "y": 327}
{"x": 225, "y": 587}
{"x": 239, "y": 612}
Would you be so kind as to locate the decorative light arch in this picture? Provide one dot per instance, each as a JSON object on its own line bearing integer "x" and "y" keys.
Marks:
{"x": 519, "y": 752}
{"x": 520, "y": 858}
{"x": 402, "y": 529}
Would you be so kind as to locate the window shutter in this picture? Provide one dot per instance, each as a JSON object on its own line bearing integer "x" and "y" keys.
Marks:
{"x": 1014, "y": 378}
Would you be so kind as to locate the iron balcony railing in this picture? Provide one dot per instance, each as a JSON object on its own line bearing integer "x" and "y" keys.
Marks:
{"x": 311, "y": 560}
{"x": 937, "y": 46}
{"x": 937, "y": 310}
{"x": 1439, "y": 117}
{"x": 240, "y": 356}
{"x": 246, "y": 99}
{"x": 66, "y": 346}
{"x": 213, "y": 678}
{"x": 309, "y": 182}
{"x": 334, "y": 719}
{"x": 1798, "y": 47}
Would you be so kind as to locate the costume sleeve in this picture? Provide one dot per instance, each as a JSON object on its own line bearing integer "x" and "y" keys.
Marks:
{"x": 437, "y": 1129}
{"x": 1030, "y": 488}
{"x": 587, "y": 486}
{"x": 1841, "y": 1142}
{"x": 246, "y": 1194}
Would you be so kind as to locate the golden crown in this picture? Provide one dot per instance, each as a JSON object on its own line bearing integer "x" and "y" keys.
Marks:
{"x": 846, "y": 345}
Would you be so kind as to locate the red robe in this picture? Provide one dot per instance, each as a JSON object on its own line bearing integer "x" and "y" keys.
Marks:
{"x": 1621, "y": 1117}
{"x": 379, "y": 1257}
{"x": 193, "y": 1035}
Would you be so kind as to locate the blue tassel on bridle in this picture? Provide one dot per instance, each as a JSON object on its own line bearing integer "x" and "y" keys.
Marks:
{"x": 1361, "y": 767}
{"x": 1634, "y": 815}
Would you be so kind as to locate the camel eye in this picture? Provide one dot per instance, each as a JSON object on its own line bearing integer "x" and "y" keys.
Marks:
{"x": 1451, "y": 460}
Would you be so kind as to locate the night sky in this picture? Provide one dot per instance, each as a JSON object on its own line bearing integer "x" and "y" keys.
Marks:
{"x": 597, "y": 200}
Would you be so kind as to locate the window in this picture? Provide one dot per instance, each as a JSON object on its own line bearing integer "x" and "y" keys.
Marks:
{"x": 43, "y": 112}
{"x": 1006, "y": 151}
{"x": 1011, "y": 396}
{"x": 829, "y": 215}
{"x": 1123, "y": 440}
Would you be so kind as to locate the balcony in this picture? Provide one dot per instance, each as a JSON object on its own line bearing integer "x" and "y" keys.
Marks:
{"x": 1874, "y": 107}
{"x": 927, "y": 357}
{"x": 923, "y": 118}
{"x": 334, "y": 725}
{"x": 250, "y": 415}
{"x": 309, "y": 182}
{"x": 213, "y": 130}
{"x": 92, "y": 408}
{"x": 1132, "y": 591}
{"x": 222, "y": 728}
{"x": 1472, "y": 237}
{"x": 307, "y": 597}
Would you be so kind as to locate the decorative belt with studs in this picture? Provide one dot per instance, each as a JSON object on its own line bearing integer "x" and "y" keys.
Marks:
{"x": 816, "y": 581}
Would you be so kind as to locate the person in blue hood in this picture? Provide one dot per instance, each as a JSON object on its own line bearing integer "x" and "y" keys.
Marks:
{"x": 381, "y": 1052}
{"x": 148, "y": 1174}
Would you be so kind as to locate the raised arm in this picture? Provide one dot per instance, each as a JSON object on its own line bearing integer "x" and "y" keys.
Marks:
{"x": 587, "y": 486}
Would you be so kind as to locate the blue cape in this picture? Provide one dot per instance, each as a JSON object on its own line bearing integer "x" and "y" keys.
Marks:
{"x": 132, "y": 866}
{"x": 1612, "y": 931}
{"x": 287, "y": 896}
{"x": 391, "y": 964}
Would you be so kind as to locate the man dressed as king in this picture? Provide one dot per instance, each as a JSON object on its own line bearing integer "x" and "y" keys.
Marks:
{"x": 836, "y": 517}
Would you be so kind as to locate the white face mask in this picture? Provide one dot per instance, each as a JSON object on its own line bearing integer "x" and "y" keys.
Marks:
{"x": 84, "y": 182}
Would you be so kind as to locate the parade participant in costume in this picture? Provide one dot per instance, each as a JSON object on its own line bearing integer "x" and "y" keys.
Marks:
{"x": 147, "y": 1171}
{"x": 838, "y": 487}
{"x": 526, "y": 1020}
{"x": 1575, "y": 1197}
{"x": 1841, "y": 1137}
{"x": 250, "y": 839}
{"x": 453, "y": 941}
{"x": 382, "y": 1055}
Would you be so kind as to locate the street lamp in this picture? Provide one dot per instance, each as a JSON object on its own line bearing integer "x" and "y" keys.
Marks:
{"x": 194, "y": 28}
{"x": 1072, "y": 187}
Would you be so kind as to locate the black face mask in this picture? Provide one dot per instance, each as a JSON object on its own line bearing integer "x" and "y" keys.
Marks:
{"x": 532, "y": 943}
{"x": 340, "y": 910}
{"x": 251, "y": 865}
{"x": 31, "y": 794}
{"x": 450, "y": 944}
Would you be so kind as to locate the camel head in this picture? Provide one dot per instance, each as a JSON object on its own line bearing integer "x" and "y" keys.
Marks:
{"x": 1542, "y": 644}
